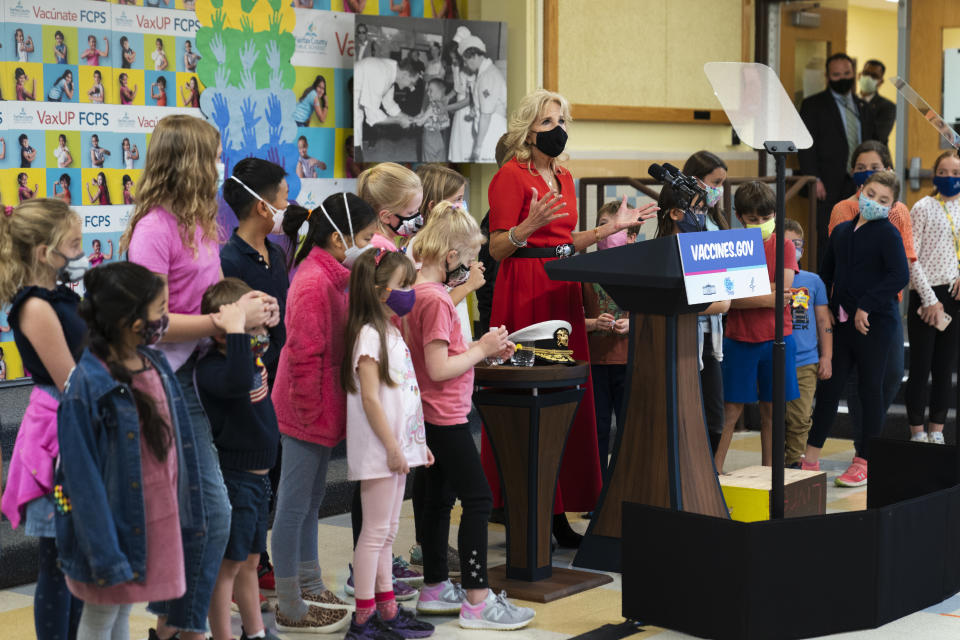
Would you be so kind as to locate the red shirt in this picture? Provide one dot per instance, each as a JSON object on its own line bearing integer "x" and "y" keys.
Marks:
{"x": 756, "y": 325}
{"x": 510, "y": 195}
{"x": 434, "y": 317}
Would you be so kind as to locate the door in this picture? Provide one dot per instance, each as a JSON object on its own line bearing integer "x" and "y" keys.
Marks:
{"x": 934, "y": 28}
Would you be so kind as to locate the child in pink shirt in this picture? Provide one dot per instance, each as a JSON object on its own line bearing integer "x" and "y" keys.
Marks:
{"x": 385, "y": 435}
{"x": 444, "y": 364}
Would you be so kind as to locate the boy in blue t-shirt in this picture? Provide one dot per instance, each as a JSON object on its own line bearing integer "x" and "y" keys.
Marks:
{"x": 813, "y": 334}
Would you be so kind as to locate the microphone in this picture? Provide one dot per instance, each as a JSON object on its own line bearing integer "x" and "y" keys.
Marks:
{"x": 687, "y": 188}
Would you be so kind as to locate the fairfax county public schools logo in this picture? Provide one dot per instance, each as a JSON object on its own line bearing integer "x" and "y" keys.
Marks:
{"x": 728, "y": 285}
{"x": 122, "y": 20}
{"x": 22, "y": 117}
{"x": 308, "y": 201}
{"x": 753, "y": 284}
{"x": 709, "y": 290}
{"x": 19, "y": 11}
{"x": 126, "y": 122}
{"x": 312, "y": 41}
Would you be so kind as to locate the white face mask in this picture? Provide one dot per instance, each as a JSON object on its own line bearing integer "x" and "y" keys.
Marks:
{"x": 353, "y": 251}
{"x": 277, "y": 213}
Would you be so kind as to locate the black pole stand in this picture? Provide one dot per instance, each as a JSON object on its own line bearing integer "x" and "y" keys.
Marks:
{"x": 779, "y": 151}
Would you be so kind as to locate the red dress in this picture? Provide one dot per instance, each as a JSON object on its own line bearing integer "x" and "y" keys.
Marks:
{"x": 524, "y": 295}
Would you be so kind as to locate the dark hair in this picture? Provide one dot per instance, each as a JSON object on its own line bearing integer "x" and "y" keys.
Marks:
{"x": 876, "y": 63}
{"x": 320, "y": 229}
{"x": 226, "y": 291}
{"x": 122, "y": 40}
{"x": 304, "y": 139}
{"x": 64, "y": 176}
{"x": 838, "y": 56}
{"x": 754, "y": 197}
{"x": 368, "y": 278}
{"x": 409, "y": 65}
{"x": 18, "y": 73}
{"x": 162, "y": 80}
{"x": 117, "y": 295}
{"x": 667, "y": 201}
{"x": 21, "y": 138}
{"x": 103, "y": 187}
{"x": 877, "y": 147}
{"x": 262, "y": 176}
{"x": 160, "y": 40}
{"x": 21, "y": 175}
{"x": 700, "y": 165}
{"x": 58, "y": 33}
{"x": 887, "y": 179}
{"x": 96, "y": 72}
{"x": 952, "y": 153}
{"x": 312, "y": 86}
{"x": 126, "y": 180}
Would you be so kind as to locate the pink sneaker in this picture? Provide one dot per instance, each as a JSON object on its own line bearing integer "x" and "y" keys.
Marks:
{"x": 809, "y": 466}
{"x": 855, "y": 475}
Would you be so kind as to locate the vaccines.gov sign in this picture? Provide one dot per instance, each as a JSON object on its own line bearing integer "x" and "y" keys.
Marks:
{"x": 723, "y": 265}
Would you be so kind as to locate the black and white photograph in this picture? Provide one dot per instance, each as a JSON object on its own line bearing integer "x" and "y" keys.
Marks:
{"x": 429, "y": 90}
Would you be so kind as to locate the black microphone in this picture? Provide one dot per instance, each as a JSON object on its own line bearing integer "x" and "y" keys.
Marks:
{"x": 688, "y": 181}
{"x": 677, "y": 181}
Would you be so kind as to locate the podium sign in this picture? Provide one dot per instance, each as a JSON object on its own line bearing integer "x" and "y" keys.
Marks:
{"x": 723, "y": 265}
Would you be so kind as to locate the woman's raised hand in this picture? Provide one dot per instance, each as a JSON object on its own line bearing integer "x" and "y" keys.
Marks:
{"x": 543, "y": 211}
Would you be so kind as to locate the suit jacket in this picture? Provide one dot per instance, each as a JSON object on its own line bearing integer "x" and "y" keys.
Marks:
{"x": 884, "y": 113}
{"x": 827, "y": 158}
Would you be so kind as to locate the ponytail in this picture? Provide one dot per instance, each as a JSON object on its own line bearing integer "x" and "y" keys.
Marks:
{"x": 117, "y": 294}
{"x": 319, "y": 229}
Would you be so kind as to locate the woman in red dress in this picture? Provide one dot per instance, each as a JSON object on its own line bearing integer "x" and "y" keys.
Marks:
{"x": 526, "y": 232}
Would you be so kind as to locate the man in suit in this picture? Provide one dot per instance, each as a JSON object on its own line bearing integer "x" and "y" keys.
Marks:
{"x": 884, "y": 111}
{"x": 838, "y": 121}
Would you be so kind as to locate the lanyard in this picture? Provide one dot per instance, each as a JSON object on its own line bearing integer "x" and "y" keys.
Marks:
{"x": 953, "y": 227}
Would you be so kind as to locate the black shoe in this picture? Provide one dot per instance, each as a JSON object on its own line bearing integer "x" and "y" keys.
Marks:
{"x": 565, "y": 535}
{"x": 497, "y": 516}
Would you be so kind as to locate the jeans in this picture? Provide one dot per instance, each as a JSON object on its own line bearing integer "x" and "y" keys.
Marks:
{"x": 202, "y": 553}
{"x": 303, "y": 481}
{"x": 890, "y": 384}
{"x": 56, "y": 613}
{"x": 608, "y": 381}
{"x": 456, "y": 473}
{"x": 105, "y": 622}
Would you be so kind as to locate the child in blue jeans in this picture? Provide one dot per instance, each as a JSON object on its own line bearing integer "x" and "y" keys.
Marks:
{"x": 748, "y": 344}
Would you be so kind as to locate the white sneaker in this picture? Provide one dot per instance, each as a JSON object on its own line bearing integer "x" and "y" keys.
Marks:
{"x": 936, "y": 437}
{"x": 921, "y": 436}
{"x": 495, "y": 613}
{"x": 442, "y": 599}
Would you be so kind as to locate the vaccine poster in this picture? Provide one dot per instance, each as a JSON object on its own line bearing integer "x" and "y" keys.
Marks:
{"x": 723, "y": 265}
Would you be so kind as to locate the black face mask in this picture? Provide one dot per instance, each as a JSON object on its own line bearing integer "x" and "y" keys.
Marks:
{"x": 842, "y": 86}
{"x": 551, "y": 142}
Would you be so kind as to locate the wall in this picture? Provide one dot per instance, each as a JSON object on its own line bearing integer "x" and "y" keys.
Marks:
{"x": 872, "y": 33}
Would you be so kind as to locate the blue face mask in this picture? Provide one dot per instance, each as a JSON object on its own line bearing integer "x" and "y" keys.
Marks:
{"x": 692, "y": 222}
{"x": 947, "y": 186}
{"x": 859, "y": 177}
{"x": 871, "y": 209}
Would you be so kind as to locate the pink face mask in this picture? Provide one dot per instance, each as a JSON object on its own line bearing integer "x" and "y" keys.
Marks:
{"x": 617, "y": 239}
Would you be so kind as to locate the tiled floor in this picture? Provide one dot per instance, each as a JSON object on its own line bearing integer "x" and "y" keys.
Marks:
{"x": 565, "y": 618}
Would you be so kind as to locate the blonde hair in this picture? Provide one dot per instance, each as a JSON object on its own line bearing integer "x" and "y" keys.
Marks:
{"x": 527, "y": 115}
{"x": 388, "y": 186}
{"x": 448, "y": 228}
{"x": 439, "y": 183}
{"x": 33, "y": 223}
{"x": 180, "y": 175}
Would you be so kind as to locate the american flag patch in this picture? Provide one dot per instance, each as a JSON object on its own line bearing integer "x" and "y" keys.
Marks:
{"x": 259, "y": 390}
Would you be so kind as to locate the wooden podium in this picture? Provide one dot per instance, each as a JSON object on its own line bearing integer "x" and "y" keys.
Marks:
{"x": 528, "y": 412}
{"x": 662, "y": 454}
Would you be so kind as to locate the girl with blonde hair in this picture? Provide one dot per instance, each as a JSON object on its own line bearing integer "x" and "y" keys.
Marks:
{"x": 173, "y": 232}
{"x": 41, "y": 253}
{"x": 395, "y": 193}
{"x": 533, "y": 219}
{"x": 444, "y": 363}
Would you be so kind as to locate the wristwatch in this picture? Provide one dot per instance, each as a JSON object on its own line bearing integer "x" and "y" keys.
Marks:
{"x": 513, "y": 239}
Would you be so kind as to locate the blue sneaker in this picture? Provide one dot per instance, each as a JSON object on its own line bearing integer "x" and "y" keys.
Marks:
{"x": 409, "y": 626}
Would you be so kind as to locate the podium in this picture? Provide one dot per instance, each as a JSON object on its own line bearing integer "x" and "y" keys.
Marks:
{"x": 528, "y": 412}
{"x": 661, "y": 455}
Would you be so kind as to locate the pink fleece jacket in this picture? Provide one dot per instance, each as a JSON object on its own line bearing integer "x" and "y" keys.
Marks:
{"x": 309, "y": 401}
{"x": 31, "y": 466}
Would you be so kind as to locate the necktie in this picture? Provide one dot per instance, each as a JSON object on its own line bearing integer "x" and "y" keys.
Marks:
{"x": 852, "y": 120}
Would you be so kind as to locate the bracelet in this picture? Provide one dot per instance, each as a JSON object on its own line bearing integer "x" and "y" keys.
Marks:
{"x": 513, "y": 239}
